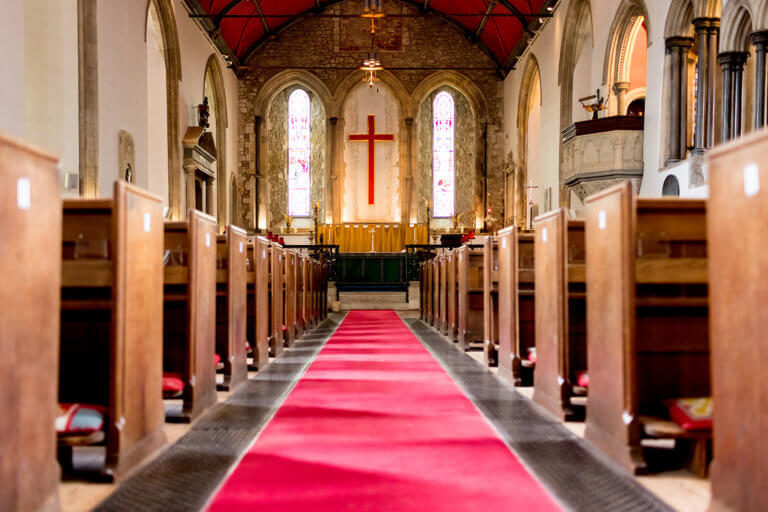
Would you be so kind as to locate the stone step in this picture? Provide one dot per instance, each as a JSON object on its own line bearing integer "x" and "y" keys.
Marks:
{"x": 375, "y": 300}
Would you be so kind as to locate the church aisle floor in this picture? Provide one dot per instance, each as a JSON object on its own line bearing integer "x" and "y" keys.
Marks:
{"x": 378, "y": 412}
{"x": 377, "y": 424}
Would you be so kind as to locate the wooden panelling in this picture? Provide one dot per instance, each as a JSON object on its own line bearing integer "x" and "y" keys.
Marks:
{"x": 737, "y": 227}
{"x": 30, "y": 258}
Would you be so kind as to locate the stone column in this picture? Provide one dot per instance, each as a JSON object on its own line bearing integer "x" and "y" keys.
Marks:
{"x": 705, "y": 28}
{"x": 406, "y": 215}
{"x": 678, "y": 120}
{"x": 210, "y": 197}
{"x": 733, "y": 70}
{"x": 189, "y": 174}
{"x": 330, "y": 203}
{"x": 760, "y": 40}
{"x": 256, "y": 171}
{"x": 713, "y": 36}
{"x": 620, "y": 89}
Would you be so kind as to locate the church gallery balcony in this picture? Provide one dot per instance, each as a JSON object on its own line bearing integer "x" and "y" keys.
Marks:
{"x": 601, "y": 152}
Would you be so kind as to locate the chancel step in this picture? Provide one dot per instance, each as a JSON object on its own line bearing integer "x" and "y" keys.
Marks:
{"x": 377, "y": 300}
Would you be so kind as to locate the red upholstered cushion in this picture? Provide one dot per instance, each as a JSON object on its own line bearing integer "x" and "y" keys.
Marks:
{"x": 691, "y": 413}
{"x": 216, "y": 359}
{"x": 582, "y": 379}
{"x": 173, "y": 385}
{"x": 79, "y": 419}
{"x": 532, "y": 355}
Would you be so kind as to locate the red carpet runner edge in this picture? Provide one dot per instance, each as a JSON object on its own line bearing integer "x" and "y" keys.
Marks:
{"x": 377, "y": 424}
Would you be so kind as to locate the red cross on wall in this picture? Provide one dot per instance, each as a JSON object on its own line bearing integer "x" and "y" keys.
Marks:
{"x": 371, "y": 137}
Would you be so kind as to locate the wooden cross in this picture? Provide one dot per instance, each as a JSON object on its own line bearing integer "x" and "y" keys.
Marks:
{"x": 371, "y": 137}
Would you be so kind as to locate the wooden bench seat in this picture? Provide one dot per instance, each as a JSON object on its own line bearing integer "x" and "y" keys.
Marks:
{"x": 30, "y": 204}
{"x": 231, "y": 304}
{"x": 470, "y": 301}
{"x": 647, "y": 330}
{"x": 258, "y": 318}
{"x": 189, "y": 332}
{"x": 452, "y": 291}
{"x": 491, "y": 301}
{"x": 289, "y": 297}
{"x": 561, "y": 343}
{"x": 737, "y": 230}
{"x": 516, "y": 305}
{"x": 111, "y": 327}
{"x": 277, "y": 314}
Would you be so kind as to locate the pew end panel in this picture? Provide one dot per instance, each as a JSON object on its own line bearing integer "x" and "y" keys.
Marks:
{"x": 490, "y": 301}
{"x": 190, "y": 312}
{"x": 737, "y": 229}
{"x": 470, "y": 262}
{"x": 261, "y": 313}
{"x": 30, "y": 261}
{"x": 647, "y": 283}
{"x": 231, "y": 304}
{"x": 453, "y": 296}
{"x": 111, "y": 353}
{"x": 277, "y": 273}
{"x": 289, "y": 296}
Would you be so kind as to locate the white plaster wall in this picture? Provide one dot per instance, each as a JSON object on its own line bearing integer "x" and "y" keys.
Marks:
{"x": 12, "y": 120}
{"x": 123, "y": 98}
{"x": 546, "y": 48}
{"x": 51, "y": 78}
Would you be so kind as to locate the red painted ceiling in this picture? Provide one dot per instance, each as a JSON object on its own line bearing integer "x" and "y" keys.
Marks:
{"x": 246, "y": 24}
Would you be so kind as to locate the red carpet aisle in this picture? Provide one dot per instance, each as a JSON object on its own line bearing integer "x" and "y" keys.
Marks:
{"x": 377, "y": 425}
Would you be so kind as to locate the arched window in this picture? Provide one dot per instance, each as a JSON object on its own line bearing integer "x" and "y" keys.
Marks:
{"x": 298, "y": 154}
{"x": 443, "y": 175}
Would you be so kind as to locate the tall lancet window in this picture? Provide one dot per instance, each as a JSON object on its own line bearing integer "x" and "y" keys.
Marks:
{"x": 299, "y": 151}
{"x": 443, "y": 175}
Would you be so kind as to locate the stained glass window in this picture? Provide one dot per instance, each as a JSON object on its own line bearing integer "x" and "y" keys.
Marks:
{"x": 443, "y": 175}
{"x": 299, "y": 151}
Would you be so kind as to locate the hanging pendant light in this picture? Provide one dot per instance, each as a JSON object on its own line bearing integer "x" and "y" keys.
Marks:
{"x": 373, "y": 9}
{"x": 371, "y": 64}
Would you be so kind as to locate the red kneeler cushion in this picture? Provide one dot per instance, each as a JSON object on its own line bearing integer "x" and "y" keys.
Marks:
{"x": 582, "y": 379}
{"x": 79, "y": 419}
{"x": 691, "y": 413}
{"x": 173, "y": 385}
{"x": 216, "y": 359}
{"x": 532, "y": 355}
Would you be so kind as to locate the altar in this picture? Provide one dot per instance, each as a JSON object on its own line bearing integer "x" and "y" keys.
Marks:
{"x": 367, "y": 238}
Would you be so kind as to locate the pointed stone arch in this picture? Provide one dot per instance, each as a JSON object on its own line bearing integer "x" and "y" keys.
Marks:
{"x": 737, "y": 24}
{"x": 629, "y": 19}
{"x": 578, "y": 24}
{"x": 352, "y": 80}
{"x": 679, "y": 19}
{"x": 458, "y": 81}
{"x": 213, "y": 72}
{"x": 531, "y": 79}
{"x": 172, "y": 54}
{"x": 287, "y": 78}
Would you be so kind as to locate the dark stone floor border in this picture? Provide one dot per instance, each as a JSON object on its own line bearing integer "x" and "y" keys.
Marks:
{"x": 578, "y": 476}
{"x": 185, "y": 476}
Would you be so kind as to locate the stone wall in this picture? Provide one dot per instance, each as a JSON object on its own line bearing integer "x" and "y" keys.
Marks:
{"x": 276, "y": 131}
{"x": 464, "y": 156}
{"x": 317, "y": 44}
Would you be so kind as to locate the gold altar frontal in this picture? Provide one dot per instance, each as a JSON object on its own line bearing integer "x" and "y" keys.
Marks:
{"x": 386, "y": 237}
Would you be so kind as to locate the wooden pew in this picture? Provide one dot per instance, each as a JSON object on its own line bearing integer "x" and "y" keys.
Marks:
{"x": 189, "y": 333}
{"x": 516, "y": 305}
{"x": 289, "y": 296}
{"x": 429, "y": 290}
{"x": 442, "y": 263}
{"x": 324, "y": 288}
{"x": 647, "y": 320}
{"x": 736, "y": 232}
{"x": 277, "y": 275}
{"x": 436, "y": 291}
{"x": 470, "y": 302}
{"x": 30, "y": 260}
{"x": 422, "y": 284}
{"x": 111, "y": 323}
{"x": 258, "y": 301}
{"x": 301, "y": 295}
{"x": 231, "y": 307}
{"x": 491, "y": 301}
{"x": 453, "y": 296}
{"x": 561, "y": 342}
